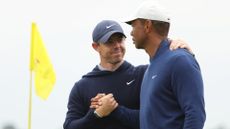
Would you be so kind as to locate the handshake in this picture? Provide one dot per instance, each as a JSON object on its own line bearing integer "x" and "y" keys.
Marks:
{"x": 103, "y": 104}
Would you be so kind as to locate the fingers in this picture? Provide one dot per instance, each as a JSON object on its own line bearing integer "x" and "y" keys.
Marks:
{"x": 186, "y": 46}
{"x": 95, "y": 103}
{"x": 178, "y": 43}
{"x": 183, "y": 46}
{"x": 108, "y": 101}
{"x": 101, "y": 98}
{"x": 116, "y": 105}
{"x": 108, "y": 104}
{"x": 98, "y": 96}
{"x": 110, "y": 95}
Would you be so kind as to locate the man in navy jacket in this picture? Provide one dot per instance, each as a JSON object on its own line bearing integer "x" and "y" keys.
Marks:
{"x": 172, "y": 88}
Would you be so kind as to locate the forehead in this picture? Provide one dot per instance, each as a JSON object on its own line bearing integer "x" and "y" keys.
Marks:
{"x": 117, "y": 37}
{"x": 135, "y": 22}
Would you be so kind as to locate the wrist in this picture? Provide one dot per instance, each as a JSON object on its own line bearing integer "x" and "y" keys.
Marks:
{"x": 97, "y": 114}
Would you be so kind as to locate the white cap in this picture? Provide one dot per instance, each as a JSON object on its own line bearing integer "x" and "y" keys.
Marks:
{"x": 151, "y": 10}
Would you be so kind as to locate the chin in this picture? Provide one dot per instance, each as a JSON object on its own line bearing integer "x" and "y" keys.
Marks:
{"x": 116, "y": 61}
{"x": 138, "y": 46}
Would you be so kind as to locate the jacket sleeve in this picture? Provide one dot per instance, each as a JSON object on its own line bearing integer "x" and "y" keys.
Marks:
{"x": 129, "y": 117}
{"x": 187, "y": 85}
{"x": 78, "y": 115}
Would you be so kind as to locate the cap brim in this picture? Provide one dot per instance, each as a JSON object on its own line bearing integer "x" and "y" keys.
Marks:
{"x": 106, "y": 37}
{"x": 129, "y": 20}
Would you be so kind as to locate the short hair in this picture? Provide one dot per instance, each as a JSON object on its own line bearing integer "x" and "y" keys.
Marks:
{"x": 162, "y": 28}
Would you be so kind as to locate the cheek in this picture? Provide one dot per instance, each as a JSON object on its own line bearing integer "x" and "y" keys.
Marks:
{"x": 136, "y": 32}
{"x": 102, "y": 51}
{"x": 123, "y": 46}
{"x": 133, "y": 31}
{"x": 123, "y": 49}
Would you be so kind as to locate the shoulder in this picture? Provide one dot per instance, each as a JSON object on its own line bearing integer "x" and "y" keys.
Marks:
{"x": 79, "y": 89}
{"x": 182, "y": 58}
{"x": 141, "y": 68}
{"x": 139, "y": 71}
{"x": 80, "y": 84}
{"x": 179, "y": 55}
{"x": 131, "y": 67}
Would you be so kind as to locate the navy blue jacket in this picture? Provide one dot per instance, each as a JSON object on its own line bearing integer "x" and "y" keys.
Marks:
{"x": 124, "y": 83}
{"x": 172, "y": 91}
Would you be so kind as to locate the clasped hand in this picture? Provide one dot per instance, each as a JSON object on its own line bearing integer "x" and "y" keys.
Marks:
{"x": 103, "y": 104}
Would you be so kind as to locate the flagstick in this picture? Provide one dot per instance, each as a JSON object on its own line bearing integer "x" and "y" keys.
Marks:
{"x": 30, "y": 102}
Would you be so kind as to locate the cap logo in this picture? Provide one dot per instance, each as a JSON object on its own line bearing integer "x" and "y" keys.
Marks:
{"x": 107, "y": 27}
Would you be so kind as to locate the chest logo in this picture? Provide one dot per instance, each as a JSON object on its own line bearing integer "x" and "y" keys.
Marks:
{"x": 130, "y": 82}
{"x": 154, "y": 76}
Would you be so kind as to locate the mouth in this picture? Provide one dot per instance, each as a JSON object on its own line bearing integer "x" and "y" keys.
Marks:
{"x": 117, "y": 53}
{"x": 133, "y": 40}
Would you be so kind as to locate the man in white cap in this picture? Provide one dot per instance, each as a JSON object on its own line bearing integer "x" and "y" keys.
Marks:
{"x": 117, "y": 80}
{"x": 172, "y": 88}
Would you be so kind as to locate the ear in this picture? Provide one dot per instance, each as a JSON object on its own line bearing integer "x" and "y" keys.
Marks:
{"x": 95, "y": 46}
{"x": 148, "y": 25}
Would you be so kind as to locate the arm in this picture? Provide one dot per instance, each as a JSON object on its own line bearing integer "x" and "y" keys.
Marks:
{"x": 78, "y": 115}
{"x": 129, "y": 117}
{"x": 187, "y": 85}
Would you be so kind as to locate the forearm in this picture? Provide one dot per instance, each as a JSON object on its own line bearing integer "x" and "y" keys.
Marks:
{"x": 193, "y": 106}
{"x": 188, "y": 87}
{"x": 129, "y": 117}
{"x": 85, "y": 122}
{"x": 196, "y": 121}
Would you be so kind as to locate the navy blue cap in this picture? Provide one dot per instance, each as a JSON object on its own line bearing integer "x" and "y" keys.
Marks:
{"x": 105, "y": 29}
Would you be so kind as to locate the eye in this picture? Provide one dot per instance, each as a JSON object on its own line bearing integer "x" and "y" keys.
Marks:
{"x": 109, "y": 42}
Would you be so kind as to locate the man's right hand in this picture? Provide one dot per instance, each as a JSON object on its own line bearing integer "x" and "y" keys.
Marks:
{"x": 106, "y": 104}
{"x": 95, "y": 103}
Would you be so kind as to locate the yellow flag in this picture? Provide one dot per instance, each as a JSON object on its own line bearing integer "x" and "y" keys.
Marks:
{"x": 41, "y": 65}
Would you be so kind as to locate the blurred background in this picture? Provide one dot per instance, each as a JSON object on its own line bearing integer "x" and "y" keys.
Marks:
{"x": 66, "y": 28}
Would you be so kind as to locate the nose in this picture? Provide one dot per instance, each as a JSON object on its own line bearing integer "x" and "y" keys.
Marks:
{"x": 116, "y": 44}
{"x": 131, "y": 33}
